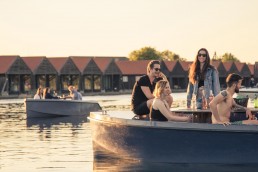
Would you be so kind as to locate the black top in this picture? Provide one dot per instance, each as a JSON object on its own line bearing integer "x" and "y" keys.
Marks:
{"x": 201, "y": 83}
{"x": 156, "y": 115}
{"x": 49, "y": 96}
{"x": 137, "y": 95}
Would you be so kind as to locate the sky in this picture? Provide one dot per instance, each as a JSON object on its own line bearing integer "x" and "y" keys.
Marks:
{"x": 62, "y": 28}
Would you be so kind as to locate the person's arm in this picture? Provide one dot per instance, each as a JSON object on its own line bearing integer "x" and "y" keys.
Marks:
{"x": 168, "y": 114}
{"x": 248, "y": 111}
{"x": 163, "y": 76}
{"x": 213, "y": 106}
{"x": 147, "y": 92}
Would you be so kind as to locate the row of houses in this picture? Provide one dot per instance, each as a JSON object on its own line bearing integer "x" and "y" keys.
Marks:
{"x": 23, "y": 75}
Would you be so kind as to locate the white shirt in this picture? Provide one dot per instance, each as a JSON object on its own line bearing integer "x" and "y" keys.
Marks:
{"x": 36, "y": 96}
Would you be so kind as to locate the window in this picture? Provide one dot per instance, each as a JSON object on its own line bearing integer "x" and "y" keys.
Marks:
{"x": 97, "y": 82}
{"x": 125, "y": 78}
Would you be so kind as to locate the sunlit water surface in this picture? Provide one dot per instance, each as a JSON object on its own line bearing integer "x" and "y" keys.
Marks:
{"x": 64, "y": 143}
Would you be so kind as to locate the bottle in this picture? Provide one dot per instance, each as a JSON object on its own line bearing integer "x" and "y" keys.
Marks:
{"x": 193, "y": 101}
{"x": 199, "y": 99}
{"x": 255, "y": 101}
{"x": 199, "y": 103}
{"x": 210, "y": 98}
{"x": 211, "y": 95}
{"x": 204, "y": 103}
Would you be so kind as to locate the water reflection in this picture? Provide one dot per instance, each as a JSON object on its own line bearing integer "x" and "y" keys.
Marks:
{"x": 65, "y": 144}
{"x": 106, "y": 161}
{"x": 44, "y": 144}
{"x": 111, "y": 164}
{"x": 41, "y": 123}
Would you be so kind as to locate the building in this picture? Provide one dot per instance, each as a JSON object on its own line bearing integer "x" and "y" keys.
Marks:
{"x": 23, "y": 75}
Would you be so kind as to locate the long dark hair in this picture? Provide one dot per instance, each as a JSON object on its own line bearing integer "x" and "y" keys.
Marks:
{"x": 45, "y": 91}
{"x": 195, "y": 69}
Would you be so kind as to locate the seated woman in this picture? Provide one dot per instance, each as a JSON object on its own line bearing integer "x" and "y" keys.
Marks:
{"x": 47, "y": 95}
{"x": 38, "y": 94}
{"x": 160, "y": 110}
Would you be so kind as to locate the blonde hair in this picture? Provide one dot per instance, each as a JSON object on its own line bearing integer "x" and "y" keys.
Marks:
{"x": 39, "y": 91}
{"x": 159, "y": 88}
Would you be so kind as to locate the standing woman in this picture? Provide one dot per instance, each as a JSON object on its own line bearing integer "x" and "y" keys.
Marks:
{"x": 203, "y": 79}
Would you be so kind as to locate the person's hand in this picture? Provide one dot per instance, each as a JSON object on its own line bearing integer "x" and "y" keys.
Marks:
{"x": 162, "y": 75}
{"x": 249, "y": 114}
{"x": 190, "y": 118}
{"x": 224, "y": 123}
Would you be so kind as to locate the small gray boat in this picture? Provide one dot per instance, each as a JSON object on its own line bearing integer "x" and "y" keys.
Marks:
{"x": 173, "y": 142}
{"x": 59, "y": 107}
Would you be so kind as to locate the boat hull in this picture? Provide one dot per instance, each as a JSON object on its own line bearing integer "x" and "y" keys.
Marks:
{"x": 173, "y": 142}
{"x": 54, "y": 107}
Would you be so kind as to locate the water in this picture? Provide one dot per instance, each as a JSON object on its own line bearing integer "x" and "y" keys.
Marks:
{"x": 64, "y": 143}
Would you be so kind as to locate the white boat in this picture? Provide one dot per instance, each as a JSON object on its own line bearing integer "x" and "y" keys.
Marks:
{"x": 59, "y": 107}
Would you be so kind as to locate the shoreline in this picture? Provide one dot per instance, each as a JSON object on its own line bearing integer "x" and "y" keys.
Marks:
{"x": 129, "y": 92}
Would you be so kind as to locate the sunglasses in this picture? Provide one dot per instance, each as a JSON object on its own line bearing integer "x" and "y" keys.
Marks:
{"x": 157, "y": 69}
{"x": 204, "y": 55}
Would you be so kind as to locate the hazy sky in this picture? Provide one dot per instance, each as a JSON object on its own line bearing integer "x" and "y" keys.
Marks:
{"x": 56, "y": 28}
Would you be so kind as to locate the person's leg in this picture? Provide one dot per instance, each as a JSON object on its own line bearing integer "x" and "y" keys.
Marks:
{"x": 142, "y": 109}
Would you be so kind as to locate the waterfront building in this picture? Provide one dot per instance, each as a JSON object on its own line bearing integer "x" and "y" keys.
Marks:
{"x": 15, "y": 75}
{"x": 97, "y": 75}
{"x": 43, "y": 73}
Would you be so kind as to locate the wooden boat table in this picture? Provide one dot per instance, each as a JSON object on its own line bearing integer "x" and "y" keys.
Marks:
{"x": 204, "y": 115}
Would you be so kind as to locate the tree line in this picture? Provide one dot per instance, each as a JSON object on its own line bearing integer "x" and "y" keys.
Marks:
{"x": 150, "y": 53}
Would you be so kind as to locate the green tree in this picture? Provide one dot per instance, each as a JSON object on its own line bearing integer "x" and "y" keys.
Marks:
{"x": 145, "y": 53}
{"x": 149, "y": 53}
{"x": 229, "y": 57}
{"x": 169, "y": 55}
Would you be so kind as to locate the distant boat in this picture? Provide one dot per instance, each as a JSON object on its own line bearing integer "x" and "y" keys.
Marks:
{"x": 59, "y": 107}
{"x": 173, "y": 142}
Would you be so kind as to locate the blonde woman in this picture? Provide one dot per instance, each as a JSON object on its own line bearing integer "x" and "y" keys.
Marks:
{"x": 160, "y": 110}
{"x": 39, "y": 94}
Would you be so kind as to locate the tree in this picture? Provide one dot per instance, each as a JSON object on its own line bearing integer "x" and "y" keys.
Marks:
{"x": 169, "y": 55}
{"x": 145, "y": 53}
{"x": 149, "y": 53}
{"x": 229, "y": 57}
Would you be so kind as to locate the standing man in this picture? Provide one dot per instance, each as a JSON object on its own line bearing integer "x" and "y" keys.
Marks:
{"x": 142, "y": 96}
{"x": 222, "y": 104}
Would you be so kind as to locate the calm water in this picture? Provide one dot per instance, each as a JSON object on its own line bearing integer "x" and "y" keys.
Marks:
{"x": 64, "y": 143}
